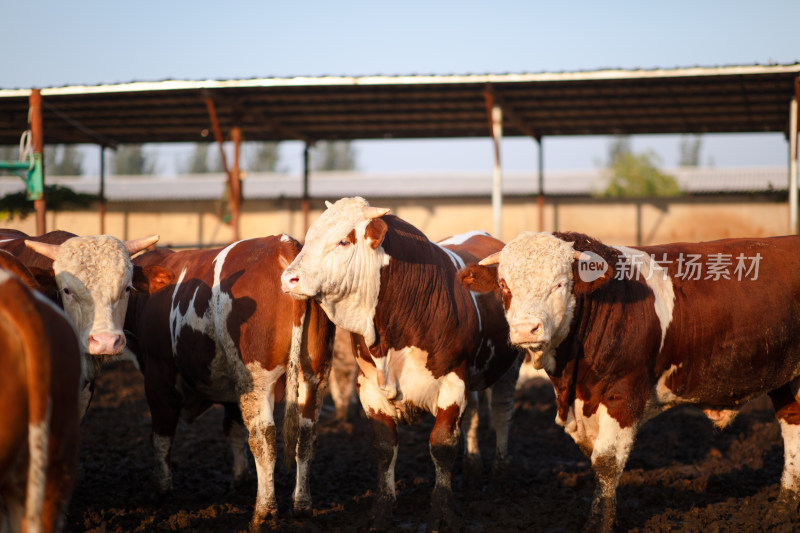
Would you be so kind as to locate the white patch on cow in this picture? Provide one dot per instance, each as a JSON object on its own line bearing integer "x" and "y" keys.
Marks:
{"x": 456, "y": 240}
{"x": 721, "y": 418}
{"x": 226, "y": 364}
{"x": 611, "y": 437}
{"x": 344, "y": 277}
{"x": 459, "y": 264}
{"x": 38, "y": 436}
{"x": 302, "y": 489}
{"x": 537, "y": 268}
{"x": 790, "y": 479}
{"x": 582, "y": 429}
{"x": 659, "y": 282}
{"x": 664, "y": 395}
{"x": 95, "y": 270}
{"x": 452, "y": 391}
{"x": 414, "y": 384}
{"x": 161, "y": 471}
{"x": 5, "y": 275}
{"x": 285, "y": 238}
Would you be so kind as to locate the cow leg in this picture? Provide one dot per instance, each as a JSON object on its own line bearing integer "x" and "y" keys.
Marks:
{"x": 310, "y": 393}
{"x": 236, "y": 433}
{"x": 472, "y": 453}
{"x": 258, "y": 407}
{"x": 787, "y": 411}
{"x": 380, "y": 414}
{"x": 164, "y": 402}
{"x": 609, "y": 454}
{"x": 450, "y": 407}
{"x": 502, "y": 410}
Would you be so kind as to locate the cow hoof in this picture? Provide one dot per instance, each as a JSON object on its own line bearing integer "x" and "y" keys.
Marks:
{"x": 302, "y": 509}
{"x": 500, "y": 469}
{"x": 442, "y": 516}
{"x": 599, "y": 524}
{"x": 382, "y": 513}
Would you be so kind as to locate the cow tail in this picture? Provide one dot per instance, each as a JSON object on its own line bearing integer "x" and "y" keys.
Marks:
{"x": 38, "y": 372}
{"x": 291, "y": 416}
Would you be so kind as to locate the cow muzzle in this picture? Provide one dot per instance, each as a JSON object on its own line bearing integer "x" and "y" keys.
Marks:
{"x": 531, "y": 334}
{"x": 106, "y": 343}
{"x": 289, "y": 281}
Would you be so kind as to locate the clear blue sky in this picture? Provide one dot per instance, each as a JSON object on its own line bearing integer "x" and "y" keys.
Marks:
{"x": 52, "y": 43}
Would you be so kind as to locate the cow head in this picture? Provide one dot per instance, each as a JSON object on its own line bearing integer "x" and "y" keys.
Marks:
{"x": 340, "y": 264}
{"x": 536, "y": 273}
{"x": 94, "y": 276}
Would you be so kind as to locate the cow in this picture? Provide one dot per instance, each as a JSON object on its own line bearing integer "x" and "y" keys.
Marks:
{"x": 91, "y": 276}
{"x": 221, "y": 331}
{"x": 40, "y": 361}
{"x": 626, "y": 333}
{"x": 423, "y": 343}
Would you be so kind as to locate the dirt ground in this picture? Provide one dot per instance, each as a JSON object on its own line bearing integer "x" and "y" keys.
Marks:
{"x": 683, "y": 475}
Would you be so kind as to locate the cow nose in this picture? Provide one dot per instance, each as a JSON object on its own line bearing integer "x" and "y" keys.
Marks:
{"x": 288, "y": 281}
{"x": 106, "y": 343}
{"x": 526, "y": 330}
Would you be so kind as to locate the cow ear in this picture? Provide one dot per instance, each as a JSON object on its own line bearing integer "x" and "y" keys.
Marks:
{"x": 585, "y": 279}
{"x": 479, "y": 278}
{"x": 151, "y": 278}
{"x": 375, "y": 232}
{"x": 46, "y": 281}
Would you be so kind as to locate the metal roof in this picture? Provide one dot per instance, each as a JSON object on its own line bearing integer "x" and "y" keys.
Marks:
{"x": 685, "y": 100}
{"x": 334, "y": 185}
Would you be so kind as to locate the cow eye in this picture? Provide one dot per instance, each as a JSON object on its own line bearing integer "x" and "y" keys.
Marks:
{"x": 557, "y": 287}
{"x": 344, "y": 243}
{"x": 66, "y": 291}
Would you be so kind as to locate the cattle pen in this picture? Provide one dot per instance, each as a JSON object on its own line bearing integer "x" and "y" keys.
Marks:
{"x": 683, "y": 474}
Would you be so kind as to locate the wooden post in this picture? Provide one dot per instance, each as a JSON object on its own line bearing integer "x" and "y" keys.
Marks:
{"x": 306, "y": 207}
{"x": 236, "y": 182}
{"x": 37, "y": 135}
{"x": 233, "y": 182}
{"x": 540, "y": 197}
{"x": 495, "y": 114}
{"x": 102, "y": 190}
{"x": 793, "y": 123}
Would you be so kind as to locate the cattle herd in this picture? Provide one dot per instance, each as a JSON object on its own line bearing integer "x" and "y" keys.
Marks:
{"x": 622, "y": 333}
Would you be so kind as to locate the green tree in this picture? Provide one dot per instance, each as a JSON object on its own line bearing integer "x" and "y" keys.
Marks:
{"x": 263, "y": 156}
{"x": 333, "y": 155}
{"x": 9, "y": 153}
{"x": 63, "y": 160}
{"x": 636, "y": 175}
{"x": 690, "y": 150}
{"x": 203, "y": 160}
{"x": 131, "y": 160}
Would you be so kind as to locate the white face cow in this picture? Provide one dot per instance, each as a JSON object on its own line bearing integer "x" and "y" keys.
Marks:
{"x": 94, "y": 277}
{"x": 535, "y": 275}
{"x": 340, "y": 264}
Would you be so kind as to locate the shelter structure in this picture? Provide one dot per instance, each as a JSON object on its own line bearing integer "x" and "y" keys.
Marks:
{"x": 754, "y": 98}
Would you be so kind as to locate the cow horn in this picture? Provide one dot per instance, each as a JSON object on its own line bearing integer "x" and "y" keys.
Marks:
{"x": 43, "y": 248}
{"x": 137, "y": 245}
{"x": 374, "y": 212}
{"x": 581, "y": 256}
{"x": 328, "y": 204}
{"x": 490, "y": 259}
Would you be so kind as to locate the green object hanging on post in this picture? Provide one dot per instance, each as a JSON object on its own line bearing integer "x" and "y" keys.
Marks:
{"x": 34, "y": 183}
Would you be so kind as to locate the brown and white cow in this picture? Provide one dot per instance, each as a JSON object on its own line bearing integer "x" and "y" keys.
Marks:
{"x": 92, "y": 276}
{"x": 223, "y": 332}
{"x": 40, "y": 364}
{"x": 626, "y": 333}
{"x": 423, "y": 342}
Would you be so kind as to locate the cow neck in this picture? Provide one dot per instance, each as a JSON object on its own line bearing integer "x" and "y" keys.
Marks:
{"x": 417, "y": 292}
{"x": 597, "y": 343}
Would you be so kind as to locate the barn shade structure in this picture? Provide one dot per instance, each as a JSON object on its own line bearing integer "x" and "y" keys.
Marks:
{"x": 755, "y": 98}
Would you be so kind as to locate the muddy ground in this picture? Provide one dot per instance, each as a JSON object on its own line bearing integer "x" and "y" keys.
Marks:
{"x": 683, "y": 475}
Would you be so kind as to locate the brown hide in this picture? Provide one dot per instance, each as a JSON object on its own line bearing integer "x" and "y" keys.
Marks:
{"x": 40, "y": 364}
